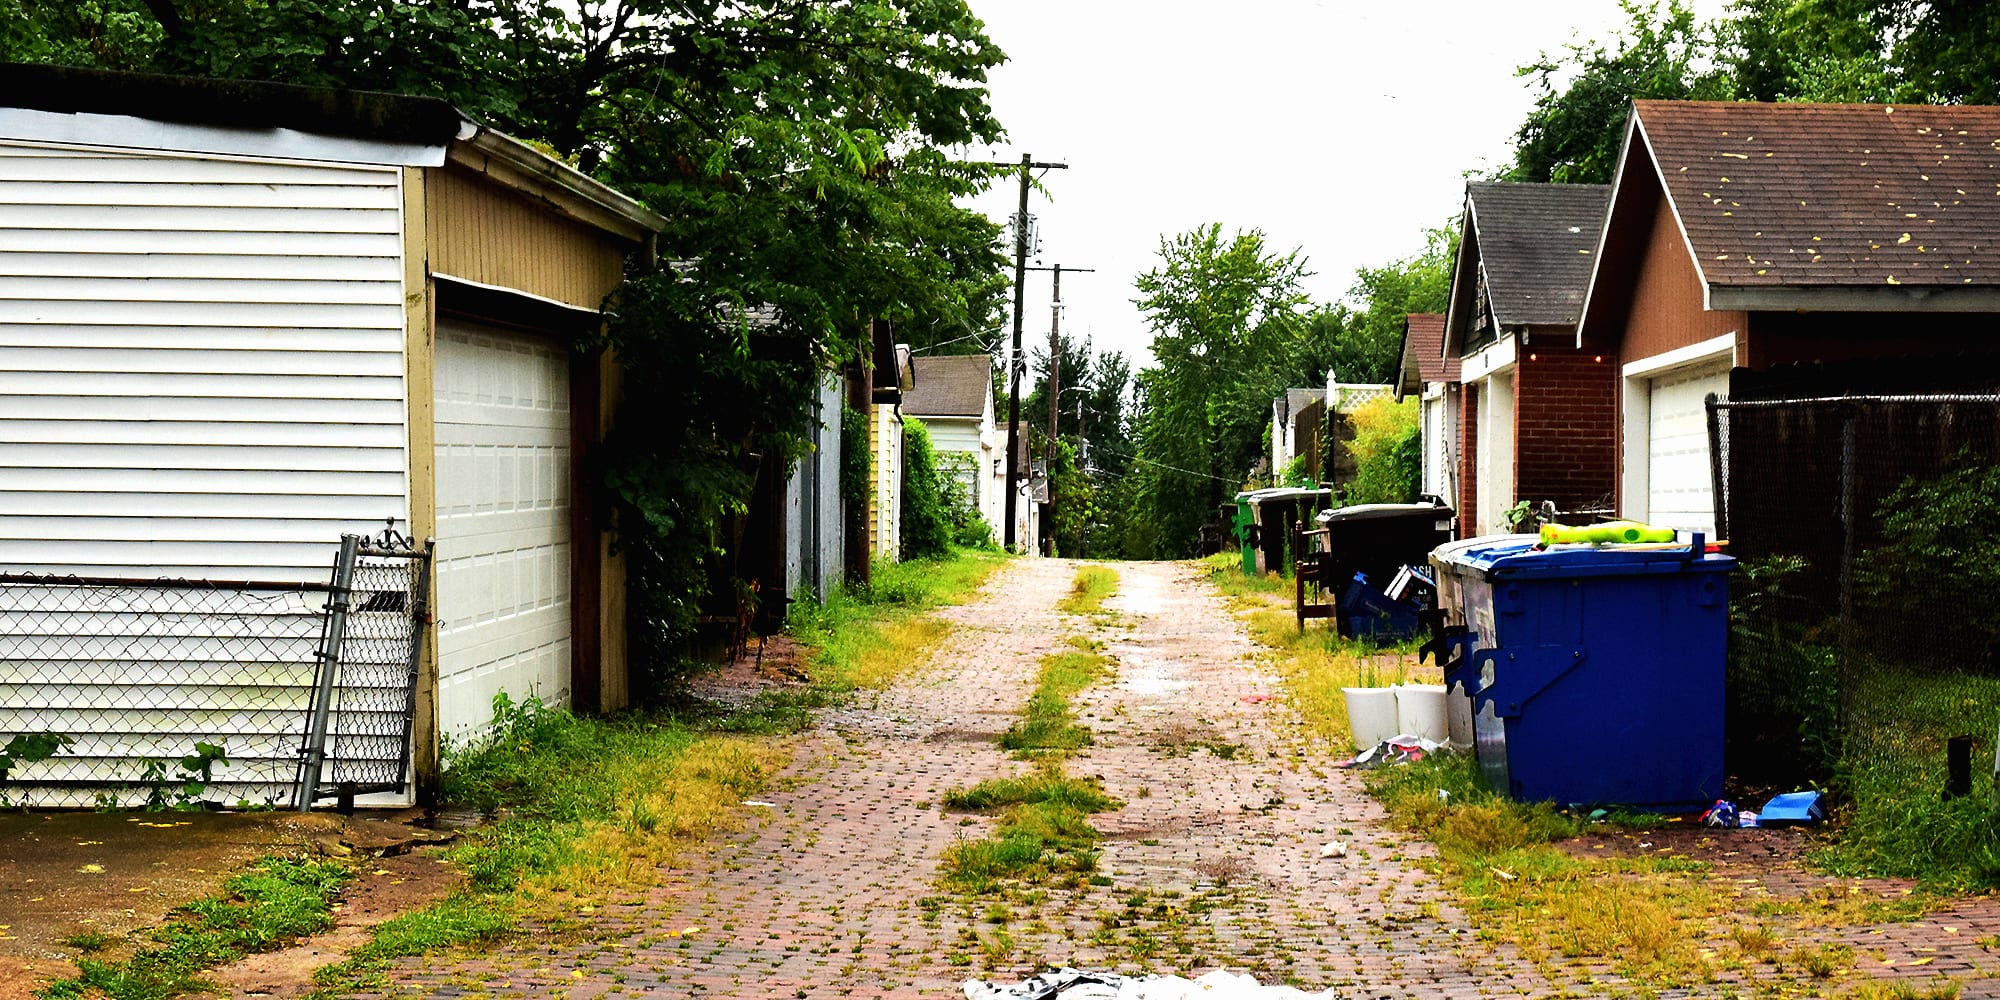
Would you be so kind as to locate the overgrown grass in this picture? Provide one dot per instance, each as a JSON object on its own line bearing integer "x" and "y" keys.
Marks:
{"x": 1317, "y": 663}
{"x": 591, "y": 808}
{"x": 1044, "y": 835}
{"x": 868, "y": 637}
{"x": 1088, "y": 591}
{"x": 274, "y": 902}
{"x": 1225, "y": 570}
{"x": 1048, "y": 723}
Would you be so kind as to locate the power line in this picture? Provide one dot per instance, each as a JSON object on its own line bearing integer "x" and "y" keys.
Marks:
{"x": 1170, "y": 468}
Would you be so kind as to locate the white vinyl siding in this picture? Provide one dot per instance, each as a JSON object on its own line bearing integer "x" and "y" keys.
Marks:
{"x": 504, "y": 525}
{"x": 201, "y": 363}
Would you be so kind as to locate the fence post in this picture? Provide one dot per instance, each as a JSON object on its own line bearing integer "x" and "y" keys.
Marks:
{"x": 1849, "y": 424}
{"x": 419, "y": 610}
{"x": 331, "y": 636}
{"x": 1718, "y": 483}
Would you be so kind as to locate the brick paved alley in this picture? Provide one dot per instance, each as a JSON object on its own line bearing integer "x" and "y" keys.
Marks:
{"x": 1213, "y": 862}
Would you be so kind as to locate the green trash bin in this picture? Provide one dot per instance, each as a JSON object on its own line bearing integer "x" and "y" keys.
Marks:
{"x": 1245, "y": 526}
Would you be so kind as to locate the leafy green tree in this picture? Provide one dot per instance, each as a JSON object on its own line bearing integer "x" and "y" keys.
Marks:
{"x": 1221, "y": 310}
{"x": 796, "y": 149}
{"x": 1808, "y": 50}
{"x": 1372, "y": 340}
{"x": 1574, "y": 133}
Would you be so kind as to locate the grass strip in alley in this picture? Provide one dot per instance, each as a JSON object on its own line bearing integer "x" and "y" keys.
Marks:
{"x": 1088, "y": 591}
{"x": 591, "y": 808}
{"x": 1044, "y": 836}
{"x": 1520, "y": 871}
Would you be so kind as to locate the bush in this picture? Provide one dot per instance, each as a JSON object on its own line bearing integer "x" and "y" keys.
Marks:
{"x": 1388, "y": 452}
{"x": 928, "y": 518}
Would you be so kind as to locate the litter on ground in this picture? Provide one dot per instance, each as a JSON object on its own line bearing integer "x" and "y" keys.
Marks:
{"x": 1074, "y": 984}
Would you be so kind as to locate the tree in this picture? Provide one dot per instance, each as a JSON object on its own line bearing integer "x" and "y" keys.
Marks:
{"x": 1573, "y": 135}
{"x": 796, "y": 149}
{"x": 1222, "y": 311}
{"x": 1808, "y": 50}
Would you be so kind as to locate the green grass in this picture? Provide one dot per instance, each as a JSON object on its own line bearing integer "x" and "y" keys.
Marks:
{"x": 1225, "y": 570}
{"x": 1088, "y": 591}
{"x": 1044, "y": 834}
{"x": 868, "y": 637}
{"x": 1048, "y": 723}
{"x": 273, "y": 903}
{"x": 594, "y": 807}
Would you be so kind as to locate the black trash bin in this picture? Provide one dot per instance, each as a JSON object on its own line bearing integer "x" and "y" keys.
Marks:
{"x": 1278, "y": 513}
{"x": 1366, "y": 546}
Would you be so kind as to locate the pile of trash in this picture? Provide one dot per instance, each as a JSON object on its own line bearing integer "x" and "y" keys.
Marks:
{"x": 1789, "y": 808}
{"x": 1402, "y": 748}
{"x": 1074, "y": 984}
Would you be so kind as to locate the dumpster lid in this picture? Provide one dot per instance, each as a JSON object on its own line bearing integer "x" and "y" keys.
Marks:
{"x": 1515, "y": 556}
{"x": 1373, "y": 511}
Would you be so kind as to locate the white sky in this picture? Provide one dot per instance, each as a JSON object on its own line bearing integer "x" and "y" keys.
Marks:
{"x": 1342, "y": 128}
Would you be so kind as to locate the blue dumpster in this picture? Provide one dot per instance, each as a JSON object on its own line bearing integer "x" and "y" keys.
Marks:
{"x": 1596, "y": 673}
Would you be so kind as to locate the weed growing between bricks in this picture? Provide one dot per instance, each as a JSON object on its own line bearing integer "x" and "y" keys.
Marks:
{"x": 1087, "y": 593}
{"x": 589, "y": 810}
{"x": 1044, "y": 838}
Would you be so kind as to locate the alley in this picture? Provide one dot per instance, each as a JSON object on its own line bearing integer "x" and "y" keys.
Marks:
{"x": 1213, "y": 861}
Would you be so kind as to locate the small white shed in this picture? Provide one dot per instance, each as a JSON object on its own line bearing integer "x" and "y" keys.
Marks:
{"x": 238, "y": 320}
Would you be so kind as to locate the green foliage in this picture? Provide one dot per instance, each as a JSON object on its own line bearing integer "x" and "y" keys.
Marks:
{"x": 1297, "y": 473}
{"x": 1222, "y": 311}
{"x": 1574, "y": 133}
{"x": 857, "y": 459}
{"x": 1044, "y": 833}
{"x": 1367, "y": 346}
{"x": 1807, "y": 50}
{"x": 273, "y": 903}
{"x": 1942, "y": 528}
{"x": 1048, "y": 723}
{"x": 929, "y": 513}
{"x": 31, "y": 748}
{"x": 1388, "y": 452}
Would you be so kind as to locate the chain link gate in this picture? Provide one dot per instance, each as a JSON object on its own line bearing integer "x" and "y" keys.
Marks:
{"x": 167, "y": 693}
{"x": 359, "y": 726}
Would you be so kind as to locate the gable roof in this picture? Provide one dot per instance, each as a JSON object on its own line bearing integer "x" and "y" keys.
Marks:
{"x": 1535, "y": 245}
{"x": 1849, "y": 206}
{"x": 952, "y": 385}
{"x": 1422, "y": 358}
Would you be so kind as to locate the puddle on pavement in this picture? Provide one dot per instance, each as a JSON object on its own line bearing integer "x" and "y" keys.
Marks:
{"x": 1143, "y": 674}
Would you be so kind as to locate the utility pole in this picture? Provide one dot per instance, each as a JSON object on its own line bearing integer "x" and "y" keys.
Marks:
{"x": 1014, "y": 365}
{"x": 1055, "y": 370}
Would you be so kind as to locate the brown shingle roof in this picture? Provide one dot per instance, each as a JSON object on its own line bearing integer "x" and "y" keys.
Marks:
{"x": 953, "y": 385}
{"x": 1425, "y": 337}
{"x": 1535, "y": 247}
{"x": 1858, "y": 195}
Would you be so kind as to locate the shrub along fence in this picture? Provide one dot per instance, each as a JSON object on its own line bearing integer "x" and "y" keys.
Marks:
{"x": 1865, "y": 639}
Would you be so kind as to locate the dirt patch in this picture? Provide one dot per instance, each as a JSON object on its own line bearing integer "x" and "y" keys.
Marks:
{"x": 771, "y": 662}
{"x": 384, "y": 888}
{"x": 119, "y": 874}
{"x": 1756, "y": 851}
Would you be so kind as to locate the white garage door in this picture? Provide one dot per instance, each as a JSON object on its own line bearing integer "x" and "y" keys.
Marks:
{"x": 503, "y": 521}
{"x": 1679, "y": 490}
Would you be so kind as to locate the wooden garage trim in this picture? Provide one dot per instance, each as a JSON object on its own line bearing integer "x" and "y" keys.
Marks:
{"x": 420, "y": 368}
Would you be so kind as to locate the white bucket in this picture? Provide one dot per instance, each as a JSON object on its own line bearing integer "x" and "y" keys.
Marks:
{"x": 1458, "y": 712}
{"x": 1371, "y": 714}
{"x": 1420, "y": 712}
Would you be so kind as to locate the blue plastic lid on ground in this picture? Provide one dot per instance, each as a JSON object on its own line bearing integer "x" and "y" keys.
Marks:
{"x": 1794, "y": 807}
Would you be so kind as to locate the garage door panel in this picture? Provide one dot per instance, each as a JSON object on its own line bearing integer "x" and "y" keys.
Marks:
{"x": 1679, "y": 477}
{"x": 503, "y": 503}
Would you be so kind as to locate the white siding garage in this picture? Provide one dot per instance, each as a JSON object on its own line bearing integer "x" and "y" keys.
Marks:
{"x": 503, "y": 520}
{"x": 201, "y": 362}
{"x": 1679, "y": 492}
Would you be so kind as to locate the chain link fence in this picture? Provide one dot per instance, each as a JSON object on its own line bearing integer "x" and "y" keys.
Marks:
{"x": 1866, "y": 611}
{"x": 133, "y": 692}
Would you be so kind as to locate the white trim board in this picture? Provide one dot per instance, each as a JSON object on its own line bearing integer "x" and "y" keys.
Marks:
{"x": 1681, "y": 357}
{"x": 1495, "y": 357}
{"x": 147, "y": 135}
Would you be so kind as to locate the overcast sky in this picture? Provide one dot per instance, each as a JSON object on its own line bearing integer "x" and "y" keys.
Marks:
{"x": 1341, "y": 128}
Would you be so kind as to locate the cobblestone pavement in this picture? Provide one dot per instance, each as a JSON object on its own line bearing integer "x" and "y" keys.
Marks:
{"x": 1213, "y": 861}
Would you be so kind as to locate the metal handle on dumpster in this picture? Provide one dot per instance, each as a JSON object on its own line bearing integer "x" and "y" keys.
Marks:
{"x": 1518, "y": 675}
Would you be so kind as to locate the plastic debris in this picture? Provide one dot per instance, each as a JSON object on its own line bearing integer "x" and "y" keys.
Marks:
{"x": 1399, "y": 749}
{"x": 1722, "y": 814}
{"x": 1794, "y": 807}
{"x": 1334, "y": 849}
{"x": 1074, "y": 984}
